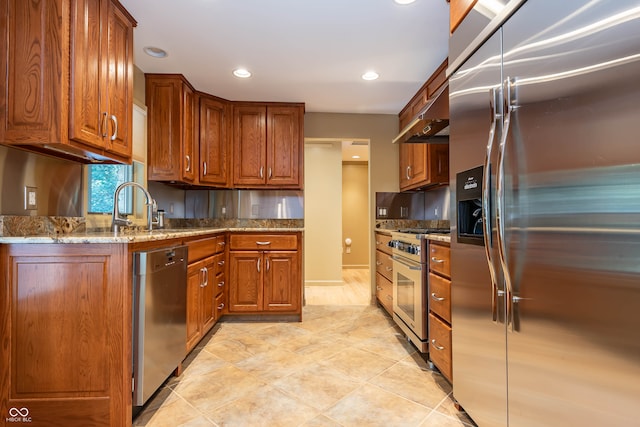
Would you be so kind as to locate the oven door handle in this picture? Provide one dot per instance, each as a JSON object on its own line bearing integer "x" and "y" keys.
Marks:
{"x": 411, "y": 266}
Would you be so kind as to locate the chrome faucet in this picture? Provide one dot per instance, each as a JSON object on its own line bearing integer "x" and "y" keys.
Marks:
{"x": 152, "y": 208}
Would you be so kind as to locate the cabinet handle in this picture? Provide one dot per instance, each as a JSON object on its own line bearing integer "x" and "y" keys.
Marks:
{"x": 103, "y": 124}
{"x": 221, "y": 284}
{"x": 115, "y": 127}
{"x": 435, "y": 297}
{"x": 269, "y": 173}
{"x": 188, "y": 157}
{"x": 221, "y": 243}
{"x": 221, "y": 306}
{"x": 263, "y": 243}
{"x": 221, "y": 262}
{"x": 204, "y": 168}
{"x": 408, "y": 172}
{"x": 389, "y": 268}
{"x": 261, "y": 172}
{"x": 389, "y": 297}
{"x": 268, "y": 265}
{"x": 202, "y": 279}
{"x": 258, "y": 265}
{"x": 378, "y": 262}
{"x": 206, "y": 277}
{"x": 378, "y": 288}
{"x": 436, "y": 346}
{"x": 439, "y": 261}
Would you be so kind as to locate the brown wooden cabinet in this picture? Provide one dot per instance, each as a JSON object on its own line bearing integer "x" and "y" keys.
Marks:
{"x": 384, "y": 272}
{"x": 172, "y": 151}
{"x": 265, "y": 273}
{"x": 267, "y": 145}
{"x": 423, "y": 165}
{"x": 65, "y": 325}
{"x": 68, "y": 85}
{"x": 214, "y": 137}
{"x": 206, "y": 274}
{"x": 457, "y": 12}
{"x": 440, "y": 307}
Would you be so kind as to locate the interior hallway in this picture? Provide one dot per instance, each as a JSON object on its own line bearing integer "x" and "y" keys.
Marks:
{"x": 346, "y": 364}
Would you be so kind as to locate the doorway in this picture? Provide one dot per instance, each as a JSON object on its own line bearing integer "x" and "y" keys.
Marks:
{"x": 337, "y": 229}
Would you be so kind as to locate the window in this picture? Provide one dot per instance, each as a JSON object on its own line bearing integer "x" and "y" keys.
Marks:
{"x": 103, "y": 181}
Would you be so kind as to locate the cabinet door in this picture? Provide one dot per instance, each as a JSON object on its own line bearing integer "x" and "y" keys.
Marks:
{"x": 195, "y": 277}
{"x": 209, "y": 292}
{"x": 281, "y": 281}
{"x": 172, "y": 116}
{"x": 439, "y": 163}
{"x": 65, "y": 327}
{"x": 249, "y": 145}
{"x": 214, "y": 141}
{"x": 419, "y": 165}
{"x": 189, "y": 142}
{"x": 119, "y": 84}
{"x": 88, "y": 115}
{"x": 283, "y": 146}
{"x": 245, "y": 281}
{"x": 32, "y": 94}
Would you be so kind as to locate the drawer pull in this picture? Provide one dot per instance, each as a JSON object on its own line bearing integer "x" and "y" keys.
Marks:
{"x": 221, "y": 306}
{"x": 221, "y": 243}
{"x": 435, "y": 297}
{"x": 220, "y": 284}
{"x": 220, "y": 262}
{"x": 263, "y": 243}
{"x": 378, "y": 262}
{"x": 389, "y": 297}
{"x": 436, "y": 346}
{"x": 434, "y": 259}
{"x": 389, "y": 268}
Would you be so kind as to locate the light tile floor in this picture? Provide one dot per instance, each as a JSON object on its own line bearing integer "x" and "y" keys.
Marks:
{"x": 341, "y": 366}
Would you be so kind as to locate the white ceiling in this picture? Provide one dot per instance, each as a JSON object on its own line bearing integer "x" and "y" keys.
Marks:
{"x": 311, "y": 51}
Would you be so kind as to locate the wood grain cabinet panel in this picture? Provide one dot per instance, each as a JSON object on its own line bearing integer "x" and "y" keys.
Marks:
{"x": 267, "y": 145}
{"x": 459, "y": 9}
{"x": 68, "y": 87}
{"x": 265, "y": 278}
{"x": 215, "y": 129}
{"x": 65, "y": 321}
{"x": 440, "y": 307}
{"x": 172, "y": 116}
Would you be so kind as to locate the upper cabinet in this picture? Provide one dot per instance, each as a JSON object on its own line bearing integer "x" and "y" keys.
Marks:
{"x": 267, "y": 145}
{"x": 215, "y": 133}
{"x": 423, "y": 164}
{"x": 67, "y": 89}
{"x": 458, "y": 10}
{"x": 172, "y": 149}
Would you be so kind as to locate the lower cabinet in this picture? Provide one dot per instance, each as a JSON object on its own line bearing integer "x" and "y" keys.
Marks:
{"x": 205, "y": 286}
{"x": 384, "y": 272}
{"x": 65, "y": 329}
{"x": 265, "y": 273}
{"x": 440, "y": 308}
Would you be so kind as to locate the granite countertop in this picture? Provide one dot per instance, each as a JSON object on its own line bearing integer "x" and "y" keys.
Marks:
{"x": 439, "y": 237}
{"x": 137, "y": 236}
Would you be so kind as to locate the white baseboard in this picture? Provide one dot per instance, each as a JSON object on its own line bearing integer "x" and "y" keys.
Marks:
{"x": 323, "y": 283}
{"x": 354, "y": 266}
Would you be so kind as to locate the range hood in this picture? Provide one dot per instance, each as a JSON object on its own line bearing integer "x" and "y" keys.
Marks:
{"x": 431, "y": 125}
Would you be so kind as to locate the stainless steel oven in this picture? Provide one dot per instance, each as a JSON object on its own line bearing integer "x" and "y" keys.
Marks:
{"x": 410, "y": 287}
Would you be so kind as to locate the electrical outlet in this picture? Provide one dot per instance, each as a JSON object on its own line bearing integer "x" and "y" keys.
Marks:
{"x": 30, "y": 198}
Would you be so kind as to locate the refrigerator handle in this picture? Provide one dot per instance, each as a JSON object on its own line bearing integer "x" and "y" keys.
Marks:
{"x": 494, "y": 100}
{"x": 509, "y": 96}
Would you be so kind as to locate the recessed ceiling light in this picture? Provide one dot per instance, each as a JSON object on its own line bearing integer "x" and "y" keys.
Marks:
{"x": 370, "y": 75}
{"x": 156, "y": 52}
{"x": 404, "y": 1}
{"x": 355, "y": 157}
{"x": 243, "y": 73}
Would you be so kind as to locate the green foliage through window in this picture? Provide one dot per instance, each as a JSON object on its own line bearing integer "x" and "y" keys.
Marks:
{"x": 103, "y": 181}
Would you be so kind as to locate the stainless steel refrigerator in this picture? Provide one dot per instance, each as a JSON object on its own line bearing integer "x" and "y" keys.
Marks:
{"x": 545, "y": 193}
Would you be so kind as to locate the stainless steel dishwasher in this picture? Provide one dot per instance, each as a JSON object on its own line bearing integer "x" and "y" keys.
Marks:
{"x": 159, "y": 318}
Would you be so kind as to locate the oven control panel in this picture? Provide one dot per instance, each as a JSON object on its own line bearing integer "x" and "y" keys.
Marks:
{"x": 410, "y": 248}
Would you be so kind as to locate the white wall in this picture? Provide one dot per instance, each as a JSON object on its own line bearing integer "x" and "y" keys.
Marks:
{"x": 323, "y": 213}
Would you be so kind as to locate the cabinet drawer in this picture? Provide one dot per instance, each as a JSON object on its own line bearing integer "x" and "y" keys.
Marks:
{"x": 263, "y": 241}
{"x": 439, "y": 256}
{"x": 384, "y": 265}
{"x": 382, "y": 242}
{"x": 220, "y": 306}
{"x": 219, "y": 264}
{"x": 202, "y": 248}
{"x": 384, "y": 292}
{"x": 440, "y": 345}
{"x": 440, "y": 296}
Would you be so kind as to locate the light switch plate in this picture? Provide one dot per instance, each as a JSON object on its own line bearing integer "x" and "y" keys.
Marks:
{"x": 30, "y": 198}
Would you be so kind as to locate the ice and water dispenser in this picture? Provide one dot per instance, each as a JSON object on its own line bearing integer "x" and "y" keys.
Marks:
{"x": 469, "y": 205}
